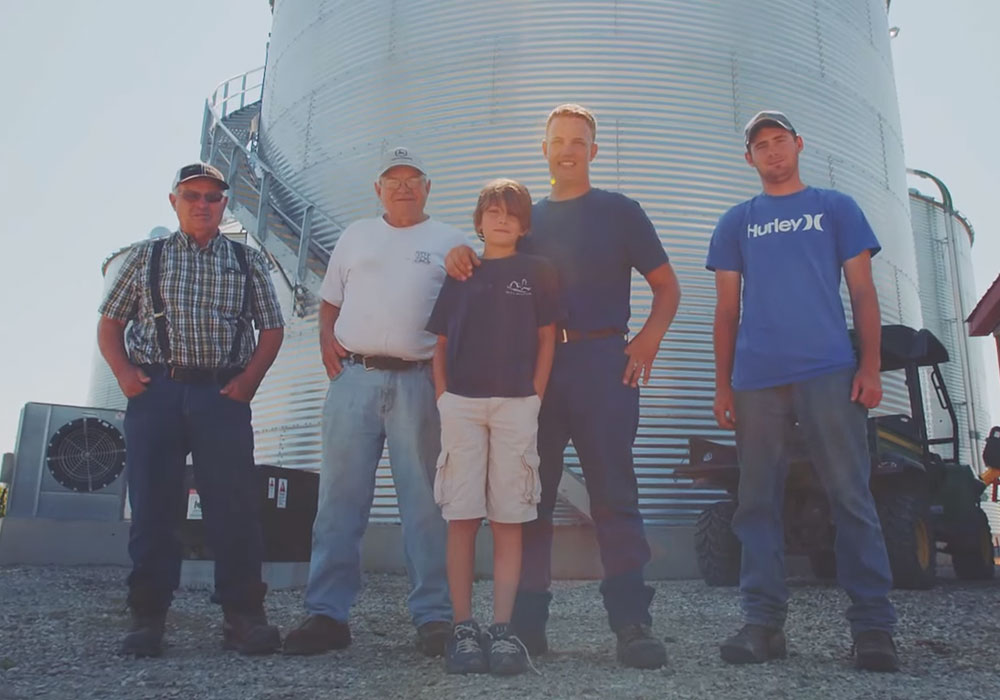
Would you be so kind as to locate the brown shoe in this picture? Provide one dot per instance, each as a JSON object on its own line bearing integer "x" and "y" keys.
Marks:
{"x": 317, "y": 634}
{"x": 432, "y": 637}
{"x": 754, "y": 644}
{"x": 145, "y": 636}
{"x": 874, "y": 650}
{"x": 248, "y": 633}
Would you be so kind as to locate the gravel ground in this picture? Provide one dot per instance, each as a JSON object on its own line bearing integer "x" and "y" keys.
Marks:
{"x": 60, "y": 628}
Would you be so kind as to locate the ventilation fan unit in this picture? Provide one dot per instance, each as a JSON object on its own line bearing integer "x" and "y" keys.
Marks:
{"x": 69, "y": 464}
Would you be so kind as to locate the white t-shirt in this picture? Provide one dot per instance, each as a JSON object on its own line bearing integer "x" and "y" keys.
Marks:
{"x": 385, "y": 281}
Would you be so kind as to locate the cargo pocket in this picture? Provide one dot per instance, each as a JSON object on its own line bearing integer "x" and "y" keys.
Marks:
{"x": 440, "y": 477}
{"x": 531, "y": 484}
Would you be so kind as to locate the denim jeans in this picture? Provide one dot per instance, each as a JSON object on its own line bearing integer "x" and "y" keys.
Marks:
{"x": 364, "y": 410}
{"x": 586, "y": 401}
{"x": 162, "y": 425}
{"x": 834, "y": 429}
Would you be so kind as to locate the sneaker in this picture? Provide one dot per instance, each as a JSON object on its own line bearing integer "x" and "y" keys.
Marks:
{"x": 432, "y": 637}
{"x": 638, "y": 648}
{"x": 248, "y": 632}
{"x": 145, "y": 636}
{"x": 754, "y": 644}
{"x": 874, "y": 650}
{"x": 463, "y": 651}
{"x": 508, "y": 655}
{"x": 316, "y": 634}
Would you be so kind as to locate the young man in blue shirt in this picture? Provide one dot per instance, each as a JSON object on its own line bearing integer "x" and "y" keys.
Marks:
{"x": 594, "y": 238}
{"x": 778, "y": 258}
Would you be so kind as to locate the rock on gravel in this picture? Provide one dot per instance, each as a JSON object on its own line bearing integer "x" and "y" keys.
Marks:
{"x": 60, "y": 628}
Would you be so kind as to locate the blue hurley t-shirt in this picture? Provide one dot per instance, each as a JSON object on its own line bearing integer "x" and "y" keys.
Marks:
{"x": 492, "y": 321}
{"x": 594, "y": 241}
{"x": 790, "y": 251}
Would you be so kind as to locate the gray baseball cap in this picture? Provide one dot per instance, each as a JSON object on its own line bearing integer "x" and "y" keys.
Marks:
{"x": 196, "y": 170}
{"x": 768, "y": 117}
{"x": 400, "y": 155}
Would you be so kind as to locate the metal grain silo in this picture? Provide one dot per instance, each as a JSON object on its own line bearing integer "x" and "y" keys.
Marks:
{"x": 943, "y": 239}
{"x": 468, "y": 85}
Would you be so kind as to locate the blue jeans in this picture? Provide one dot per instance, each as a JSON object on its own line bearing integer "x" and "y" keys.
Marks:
{"x": 834, "y": 429}
{"x": 586, "y": 401}
{"x": 363, "y": 410}
{"x": 162, "y": 425}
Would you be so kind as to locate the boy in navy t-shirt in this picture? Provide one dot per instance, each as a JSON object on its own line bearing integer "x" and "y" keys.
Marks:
{"x": 496, "y": 340}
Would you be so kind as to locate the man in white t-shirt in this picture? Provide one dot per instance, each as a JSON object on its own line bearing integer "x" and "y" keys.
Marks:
{"x": 380, "y": 286}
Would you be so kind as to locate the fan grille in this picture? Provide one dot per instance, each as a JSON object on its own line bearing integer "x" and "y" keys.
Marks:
{"x": 86, "y": 454}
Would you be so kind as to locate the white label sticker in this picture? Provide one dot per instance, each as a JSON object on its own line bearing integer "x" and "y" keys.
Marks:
{"x": 282, "y": 493}
{"x": 194, "y": 505}
{"x": 270, "y": 487}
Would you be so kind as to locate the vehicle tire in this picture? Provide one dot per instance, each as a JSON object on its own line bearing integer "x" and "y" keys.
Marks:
{"x": 909, "y": 538}
{"x": 717, "y": 548}
{"x": 823, "y": 564}
{"x": 973, "y": 559}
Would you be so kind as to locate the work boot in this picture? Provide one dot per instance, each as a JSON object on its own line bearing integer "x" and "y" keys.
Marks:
{"x": 432, "y": 637}
{"x": 754, "y": 644}
{"x": 145, "y": 635}
{"x": 531, "y": 613}
{"x": 248, "y": 632}
{"x": 316, "y": 634}
{"x": 874, "y": 650}
{"x": 638, "y": 648}
{"x": 463, "y": 651}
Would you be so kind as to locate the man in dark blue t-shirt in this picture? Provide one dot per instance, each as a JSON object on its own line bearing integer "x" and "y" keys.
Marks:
{"x": 594, "y": 239}
{"x": 789, "y": 359}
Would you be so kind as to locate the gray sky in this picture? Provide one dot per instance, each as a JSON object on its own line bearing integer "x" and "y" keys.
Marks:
{"x": 104, "y": 100}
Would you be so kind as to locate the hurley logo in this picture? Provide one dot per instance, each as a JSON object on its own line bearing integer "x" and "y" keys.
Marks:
{"x": 519, "y": 289}
{"x": 807, "y": 222}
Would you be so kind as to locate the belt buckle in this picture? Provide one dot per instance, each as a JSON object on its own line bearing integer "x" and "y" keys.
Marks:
{"x": 171, "y": 372}
{"x": 565, "y": 335}
{"x": 364, "y": 363}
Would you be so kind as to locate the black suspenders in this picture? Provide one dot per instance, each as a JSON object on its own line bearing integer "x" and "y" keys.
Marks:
{"x": 159, "y": 310}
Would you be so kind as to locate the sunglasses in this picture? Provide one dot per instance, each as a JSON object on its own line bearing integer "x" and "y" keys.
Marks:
{"x": 192, "y": 196}
{"x": 413, "y": 183}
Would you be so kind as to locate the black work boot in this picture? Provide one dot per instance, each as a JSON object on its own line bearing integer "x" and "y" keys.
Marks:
{"x": 317, "y": 634}
{"x": 531, "y": 614}
{"x": 754, "y": 644}
{"x": 145, "y": 635}
{"x": 248, "y": 632}
{"x": 638, "y": 648}
{"x": 874, "y": 650}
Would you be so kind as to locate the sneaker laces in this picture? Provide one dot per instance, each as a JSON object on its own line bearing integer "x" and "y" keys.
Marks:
{"x": 467, "y": 639}
{"x": 512, "y": 644}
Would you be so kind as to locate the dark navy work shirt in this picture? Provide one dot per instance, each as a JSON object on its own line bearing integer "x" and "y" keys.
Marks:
{"x": 492, "y": 321}
{"x": 594, "y": 241}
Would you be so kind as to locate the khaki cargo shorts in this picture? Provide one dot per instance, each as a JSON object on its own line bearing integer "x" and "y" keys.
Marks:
{"x": 488, "y": 465}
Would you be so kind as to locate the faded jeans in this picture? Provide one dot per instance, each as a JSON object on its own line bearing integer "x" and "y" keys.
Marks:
{"x": 364, "y": 410}
{"x": 834, "y": 428}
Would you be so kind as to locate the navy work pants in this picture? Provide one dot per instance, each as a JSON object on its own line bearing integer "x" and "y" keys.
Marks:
{"x": 587, "y": 403}
{"x": 162, "y": 425}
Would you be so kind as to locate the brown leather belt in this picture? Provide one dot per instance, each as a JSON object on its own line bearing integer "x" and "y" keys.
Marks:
{"x": 195, "y": 375}
{"x": 370, "y": 362}
{"x": 568, "y": 335}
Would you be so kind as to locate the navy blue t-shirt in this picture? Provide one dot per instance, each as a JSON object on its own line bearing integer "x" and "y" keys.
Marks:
{"x": 594, "y": 241}
{"x": 492, "y": 321}
{"x": 790, "y": 251}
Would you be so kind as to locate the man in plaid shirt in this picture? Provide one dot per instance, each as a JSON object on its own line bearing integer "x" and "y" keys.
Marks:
{"x": 189, "y": 372}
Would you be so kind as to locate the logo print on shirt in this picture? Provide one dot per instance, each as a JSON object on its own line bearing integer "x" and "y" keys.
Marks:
{"x": 807, "y": 222}
{"x": 519, "y": 289}
{"x": 422, "y": 256}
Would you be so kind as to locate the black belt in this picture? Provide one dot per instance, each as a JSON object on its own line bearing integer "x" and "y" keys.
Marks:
{"x": 370, "y": 362}
{"x": 195, "y": 375}
{"x": 568, "y": 335}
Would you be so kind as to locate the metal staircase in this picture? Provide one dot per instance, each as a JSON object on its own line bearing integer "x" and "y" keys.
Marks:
{"x": 296, "y": 233}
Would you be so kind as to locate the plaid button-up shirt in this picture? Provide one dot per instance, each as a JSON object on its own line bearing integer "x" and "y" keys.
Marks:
{"x": 202, "y": 292}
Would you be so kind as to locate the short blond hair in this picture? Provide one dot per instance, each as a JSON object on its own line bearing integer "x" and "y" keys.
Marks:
{"x": 514, "y": 197}
{"x": 574, "y": 110}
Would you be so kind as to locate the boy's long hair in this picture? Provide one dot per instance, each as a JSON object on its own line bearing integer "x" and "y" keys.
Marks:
{"x": 510, "y": 194}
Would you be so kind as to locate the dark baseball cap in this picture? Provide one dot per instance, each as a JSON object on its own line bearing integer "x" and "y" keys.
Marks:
{"x": 768, "y": 117}
{"x": 196, "y": 170}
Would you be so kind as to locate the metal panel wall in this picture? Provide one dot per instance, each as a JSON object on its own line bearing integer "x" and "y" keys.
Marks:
{"x": 942, "y": 247}
{"x": 468, "y": 85}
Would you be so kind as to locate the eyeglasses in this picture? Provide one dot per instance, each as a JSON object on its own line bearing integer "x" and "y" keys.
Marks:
{"x": 192, "y": 196}
{"x": 413, "y": 183}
